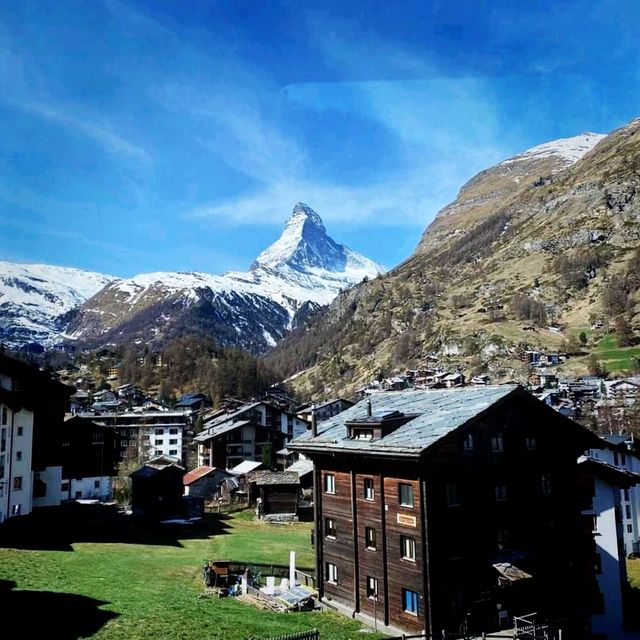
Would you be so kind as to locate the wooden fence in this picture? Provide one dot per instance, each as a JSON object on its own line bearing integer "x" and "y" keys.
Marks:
{"x": 313, "y": 634}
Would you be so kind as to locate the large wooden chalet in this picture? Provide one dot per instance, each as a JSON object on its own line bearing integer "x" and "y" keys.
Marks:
{"x": 436, "y": 506}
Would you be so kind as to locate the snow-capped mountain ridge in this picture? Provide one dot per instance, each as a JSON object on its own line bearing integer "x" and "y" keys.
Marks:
{"x": 34, "y": 298}
{"x": 569, "y": 150}
{"x": 303, "y": 269}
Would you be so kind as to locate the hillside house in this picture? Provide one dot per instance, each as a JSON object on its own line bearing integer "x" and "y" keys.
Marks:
{"x": 193, "y": 402}
{"x": 420, "y": 494}
{"x": 145, "y": 435}
{"x": 323, "y": 410}
{"x": 230, "y": 438}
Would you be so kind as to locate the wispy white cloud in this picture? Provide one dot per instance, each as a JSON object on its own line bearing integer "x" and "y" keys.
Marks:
{"x": 23, "y": 87}
{"x": 96, "y": 128}
{"x": 442, "y": 130}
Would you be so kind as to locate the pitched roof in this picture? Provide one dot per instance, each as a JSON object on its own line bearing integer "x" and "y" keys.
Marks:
{"x": 609, "y": 473}
{"x": 434, "y": 414}
{"x": 261, "y": 478}
{"x": 301, "y": 467}
{"x": 245, "y": 467}
{"x": 220, "y": 428}
{"x": 199, "y": 472}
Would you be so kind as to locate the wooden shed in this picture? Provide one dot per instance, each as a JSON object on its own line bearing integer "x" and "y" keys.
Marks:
{"x": 275, "y": 494}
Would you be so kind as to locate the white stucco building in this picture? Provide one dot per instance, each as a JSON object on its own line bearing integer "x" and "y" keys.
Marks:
{"x": 606, "y": 482}
{"x": 620, "y": 452}
{"x": 16, "y": 445}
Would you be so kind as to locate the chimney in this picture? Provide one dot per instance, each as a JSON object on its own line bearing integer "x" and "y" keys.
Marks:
{"x": 368, "y": 407}
{"x": 314, "y": 421}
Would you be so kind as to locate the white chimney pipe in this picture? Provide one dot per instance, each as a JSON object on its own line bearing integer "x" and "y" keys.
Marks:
{"x": 292, "y": 569}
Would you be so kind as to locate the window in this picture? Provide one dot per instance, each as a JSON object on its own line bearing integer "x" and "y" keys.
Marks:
{"x": 3, "y": 439}
{"x": 627, "y": 512}
{"x": 1, "y": 467}
{"x": 503, "y": 537}
{"x": 17, "y": 483}
{"x": 329, "y": 483}
{"x": 530, "y": 442}
{"x": 408, "y": 548}
{"x": 4, "y": 415}
{"x": 629, "y": 528}
{"x": 330, "y": 527}
{"x": 159, "y": 432}
{"x": 369, "y": 538}
{"x": 467, "y": 444}
{"x": 546, "y": 484}
{"x": 410, "y": 601}
{"x": 453, "y": 494}
{"x": 173, "y": 452}
{"x": 18, "y": 456}
{"x": 20, "y": 431}
{"x": 158, "y": 442}
{"x": 64, "y": 486}
{"x": 623, "y": 459}
{"x": 369, "y": 491}
{"x": 405, "y": 495}
{"x": 173, "y": 441}
{"x": 96, "y": 484}
{"x": 78, "y": 495}
{"x": 501, "y": 492}
{"x": 594, "y": 524}
{"x": 372, "y": 587}
{"x": 363, "y": 434}
{"x": 615, "y": 458}
{"x": 496, "y": 442}
{"x": 173, "y": 432}
{"x": 625, "y": 493}
{"x": 331, "y": 572}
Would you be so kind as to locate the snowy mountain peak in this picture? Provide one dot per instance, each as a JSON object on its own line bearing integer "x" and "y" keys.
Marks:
{"x": 304, "y": 244}
{"x": 568, "y": 150}
{"x": 304, "y": 215}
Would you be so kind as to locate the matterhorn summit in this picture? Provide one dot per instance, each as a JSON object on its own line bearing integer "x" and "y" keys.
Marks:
{"x": 302, "y": 270}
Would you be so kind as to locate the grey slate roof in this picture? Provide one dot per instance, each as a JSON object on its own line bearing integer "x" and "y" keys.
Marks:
{"x": 219, "y": 429}
{"x": 439, "y": 412}
{"x": 230, "y": 417}
{"x": 261, "y": 478}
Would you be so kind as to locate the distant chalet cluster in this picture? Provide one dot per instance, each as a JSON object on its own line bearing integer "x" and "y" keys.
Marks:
{"x": 456, "y": 505}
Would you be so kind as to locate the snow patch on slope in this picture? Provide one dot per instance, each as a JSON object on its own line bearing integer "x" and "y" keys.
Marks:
{"x": 569, "y": 150}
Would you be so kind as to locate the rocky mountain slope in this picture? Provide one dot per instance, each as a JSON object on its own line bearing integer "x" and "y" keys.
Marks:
{"x": 531, "y": 252}
{"x": 36, "y": 299}
{"x": 301, "y": 271}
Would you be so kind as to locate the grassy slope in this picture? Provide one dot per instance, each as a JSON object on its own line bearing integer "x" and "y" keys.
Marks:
{"x": 153, "y": 588}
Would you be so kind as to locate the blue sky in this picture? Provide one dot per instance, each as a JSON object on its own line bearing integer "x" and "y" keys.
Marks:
{"x": 140, "y": 136}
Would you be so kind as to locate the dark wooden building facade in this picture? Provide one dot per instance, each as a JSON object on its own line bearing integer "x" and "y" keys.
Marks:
{"x": 420, "y": 494}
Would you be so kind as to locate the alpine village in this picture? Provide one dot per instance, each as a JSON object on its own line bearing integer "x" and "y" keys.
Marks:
{"x": 322, "y": 448}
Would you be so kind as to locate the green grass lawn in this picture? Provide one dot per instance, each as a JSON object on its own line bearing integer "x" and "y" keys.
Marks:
{"x": 145, "y": 583}
{"x": 633, "y": 570}
{"x": 614, "y": 357}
